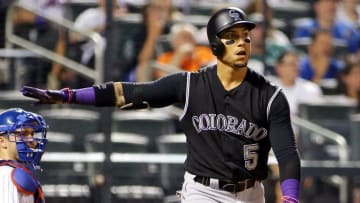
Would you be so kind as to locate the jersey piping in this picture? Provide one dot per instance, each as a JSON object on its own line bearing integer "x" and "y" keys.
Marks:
{"x": 271, "y": 101}
{"x": 187, "y": 95}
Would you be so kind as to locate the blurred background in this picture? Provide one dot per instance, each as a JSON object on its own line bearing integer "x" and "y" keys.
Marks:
{"x": 309, "y": 48}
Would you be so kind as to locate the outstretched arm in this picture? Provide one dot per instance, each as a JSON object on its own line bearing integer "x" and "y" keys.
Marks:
{"x": 86, "y": 96}
{"x": 163, "y": 92}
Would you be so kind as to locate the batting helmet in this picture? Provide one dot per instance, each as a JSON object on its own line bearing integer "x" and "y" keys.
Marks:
{"x": 221, "y": 20}
{"x": 14, "y": 121}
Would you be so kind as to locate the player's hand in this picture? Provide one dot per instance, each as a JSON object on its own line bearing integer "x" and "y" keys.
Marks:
{"x": 45, "y": 96}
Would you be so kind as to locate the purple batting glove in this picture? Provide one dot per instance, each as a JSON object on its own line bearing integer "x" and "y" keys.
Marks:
{"x": 46, "y": 96}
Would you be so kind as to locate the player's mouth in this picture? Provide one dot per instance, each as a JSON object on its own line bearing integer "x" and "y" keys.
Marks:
{"x": 239, "y": 53}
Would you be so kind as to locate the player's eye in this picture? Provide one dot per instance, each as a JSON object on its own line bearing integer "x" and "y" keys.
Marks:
{"x": 230, "y": 36}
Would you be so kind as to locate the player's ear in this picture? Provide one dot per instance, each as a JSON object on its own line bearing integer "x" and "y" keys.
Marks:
{"x": 3, "y": 142}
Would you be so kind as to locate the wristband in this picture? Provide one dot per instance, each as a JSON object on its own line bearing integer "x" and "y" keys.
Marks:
{"x": 290, "y": 189}
{"x": 67, "y": 95}
{"x": 84, "y": 96}
{"x": 104, "y": 94}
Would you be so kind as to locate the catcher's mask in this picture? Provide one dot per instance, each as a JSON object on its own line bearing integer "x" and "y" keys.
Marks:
{"x": 222, "y": 20}
{"x": 29, "y": 130}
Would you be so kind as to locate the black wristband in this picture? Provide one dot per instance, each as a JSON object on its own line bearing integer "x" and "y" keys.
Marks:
{"x": 104, "y": 94}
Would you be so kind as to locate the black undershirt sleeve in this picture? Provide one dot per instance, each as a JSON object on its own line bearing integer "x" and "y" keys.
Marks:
{"x": 282, "y": 139}
{"x": 168, "y": 90}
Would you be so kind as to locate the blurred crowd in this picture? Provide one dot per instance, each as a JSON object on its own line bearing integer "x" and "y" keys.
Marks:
{"x": 165, "y": 38}
{"x": 309, "y": 54}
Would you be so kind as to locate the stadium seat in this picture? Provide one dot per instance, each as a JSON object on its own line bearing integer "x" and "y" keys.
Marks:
{"x": 78, "y": 122}
{"x": 123, "y": 173}
{"x": 355, "y": 137}
{"x": 66, "y": 193}
{"x": 332, "y": 114}
{"x": 137, "y": 194}
{"x": 172, "y": 175}
{"x": 172, "y": 143}
{"x": 151, "y": 123}
{"x": 121, "y": 142}
{"x": 14, "y": 99}
{"x": 59, "y": 142}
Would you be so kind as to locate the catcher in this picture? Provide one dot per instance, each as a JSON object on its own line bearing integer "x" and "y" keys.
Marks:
{"x": 22, "y": 143}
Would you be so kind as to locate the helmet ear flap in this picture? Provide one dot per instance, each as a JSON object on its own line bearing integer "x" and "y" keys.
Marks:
{"x": 217, "y": 47}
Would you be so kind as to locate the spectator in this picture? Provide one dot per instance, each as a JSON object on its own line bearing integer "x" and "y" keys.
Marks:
{"x": 275, "y": 41}
{"x": 4, "y": 76}
{"x": 349, "y": 86}
{"x": 356, "y": 194}
{"x": 38, "y": 30}
{"x": 296, "y": 89}
{"x": 91, "y": 19}
{"x": 156, "y": 16}
{"x": 348, "y": 11}
{"x": 22, "y": 144}
{"x": 349, "y": 81}
{"x": 318, "y": 65}
{"x": 325, "y": 19}
{"x": 186, "y": 54}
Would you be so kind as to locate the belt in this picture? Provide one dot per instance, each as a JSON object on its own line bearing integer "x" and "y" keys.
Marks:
{"x": 229, "y": 186}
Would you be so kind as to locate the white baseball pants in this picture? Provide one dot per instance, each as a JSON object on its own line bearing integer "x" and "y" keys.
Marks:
{"x": 194, "y": 192}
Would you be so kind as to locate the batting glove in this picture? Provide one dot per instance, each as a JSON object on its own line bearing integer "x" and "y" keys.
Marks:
{"x": 47, "y": 96}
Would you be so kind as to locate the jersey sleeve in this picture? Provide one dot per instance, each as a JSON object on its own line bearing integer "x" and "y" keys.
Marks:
{"x": 282, "y": 139}
{"x": 168, "y": 90}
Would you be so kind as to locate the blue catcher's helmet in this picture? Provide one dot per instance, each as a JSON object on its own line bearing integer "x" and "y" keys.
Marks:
{"x": 21, "y": 123}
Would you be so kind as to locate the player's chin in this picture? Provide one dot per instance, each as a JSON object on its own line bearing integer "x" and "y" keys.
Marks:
{"x": 239, "y": 65}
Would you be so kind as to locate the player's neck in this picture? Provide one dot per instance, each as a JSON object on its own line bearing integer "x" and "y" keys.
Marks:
{"x": 231, "y": 77}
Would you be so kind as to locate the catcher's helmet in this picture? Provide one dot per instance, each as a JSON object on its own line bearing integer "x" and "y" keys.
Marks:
{"x": 30, "y": 149}
{"x": 224, "y": 19}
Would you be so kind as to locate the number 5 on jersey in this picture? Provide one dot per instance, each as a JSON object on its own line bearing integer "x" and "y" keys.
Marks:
{"x": 251, "y": 156}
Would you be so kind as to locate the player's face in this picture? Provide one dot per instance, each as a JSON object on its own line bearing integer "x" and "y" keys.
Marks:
{"x": 237, "y": 46}
{"x": 27, "y": 135}
{"x": 8, "y": 148}
{"x": 288, "y": 68}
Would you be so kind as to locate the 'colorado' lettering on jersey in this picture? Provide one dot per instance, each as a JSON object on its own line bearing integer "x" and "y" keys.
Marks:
{"x": 227, "y": 123}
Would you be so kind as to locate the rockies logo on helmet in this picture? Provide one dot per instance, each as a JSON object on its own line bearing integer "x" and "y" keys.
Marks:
{"x": 234, "y": 15}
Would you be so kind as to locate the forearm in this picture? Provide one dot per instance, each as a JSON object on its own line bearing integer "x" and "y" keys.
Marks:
{"x": 290, "y": 177}
{"x": 21, "y": 16}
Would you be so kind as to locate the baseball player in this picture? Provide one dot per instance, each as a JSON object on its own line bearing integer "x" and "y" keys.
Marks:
{"x": 22, "y": 143}
{"x": 232, "y": 116}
